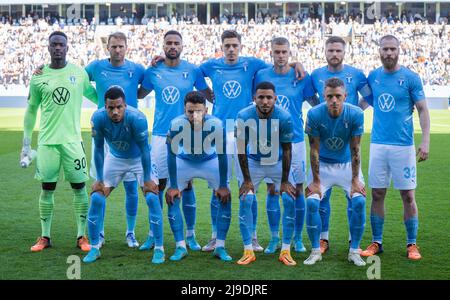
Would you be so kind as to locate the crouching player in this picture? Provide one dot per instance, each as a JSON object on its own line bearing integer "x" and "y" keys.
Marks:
{"x": 125, "y": 130}
{"x": 264, "y": 135}
{"x": 196, "y": 149}
{"x": 335, "y": 129}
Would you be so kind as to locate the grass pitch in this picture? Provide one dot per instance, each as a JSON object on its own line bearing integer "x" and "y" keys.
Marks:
{"x": 21, "y": 226}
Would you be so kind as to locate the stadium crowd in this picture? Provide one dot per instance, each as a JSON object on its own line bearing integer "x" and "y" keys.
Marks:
{"x": 425, "y": 47}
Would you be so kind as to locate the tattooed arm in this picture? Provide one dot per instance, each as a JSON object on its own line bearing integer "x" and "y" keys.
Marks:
{"x": 355, "y": 147}
{"x": 314, "y": 145}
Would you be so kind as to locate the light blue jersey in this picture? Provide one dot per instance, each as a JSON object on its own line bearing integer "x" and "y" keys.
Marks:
{"x": 335, "y": 133}
{"x": 280, "y": 122}
{"x": 394, "y": 96}
{"x": 171, "y": 84}
{"x": 354, "y": 79}
{"x": 128, "y": 76}
{"x": 232, "y": 85}
{"x": 290, "y": 95}
{"x": 200, "y": 147}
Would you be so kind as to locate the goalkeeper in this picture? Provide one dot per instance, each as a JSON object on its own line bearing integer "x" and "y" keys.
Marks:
{"x": 59, "y": 94}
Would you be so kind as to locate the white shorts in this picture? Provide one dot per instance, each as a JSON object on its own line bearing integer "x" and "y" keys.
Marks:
{"x": 388, "y": 162}
{"x": 115, "y": 169}
{"x": 335, "y": 175}
{"x": 93, "y": 170}
{"x": 272, "y": 173}
{"x": 207, "y": 170}
{"x": 158, "y": 155}
{"x": 298, "y": 163}
{"x": 233, "y": 157}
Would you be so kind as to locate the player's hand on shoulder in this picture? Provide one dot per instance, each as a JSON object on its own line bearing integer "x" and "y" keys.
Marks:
{"x": 223, "y": 194}
{"x": 171, "y": 194}
{"x": 99, "y": 187}
{"x": 287, "y": 187}
{"x": 156, "y": 59}
{"x": 423, "y": 151}
{"x": 39, "y": 70}
{"x": 313, "y": 188}
{"x": 246, "y": 187}
{"x": 150, "y": 187}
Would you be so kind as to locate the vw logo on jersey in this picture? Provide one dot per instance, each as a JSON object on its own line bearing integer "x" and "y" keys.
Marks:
{"x": 232, "y": 89}
{"x": 386, "y": 102}
{"x": 170, "y": 94}
{"x": 334, "y": 143}
{"x": 283, "y": 101}
{"x": 61, "y": 95}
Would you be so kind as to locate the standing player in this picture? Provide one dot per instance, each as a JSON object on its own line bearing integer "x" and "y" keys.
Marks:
{"x": 335, "y": 129}
{"x": 290, "y": 95}
{"x": 355, "y": 81}
{"x": 199, "y": 153}
{"x": 59, "y": 93}
{"x": 125, "y": 129}
{"x": 396, "y": 90}
{"x": 264, "y": 135}
{"x": 172, "y": 80}
{"x": 116, "y": 70}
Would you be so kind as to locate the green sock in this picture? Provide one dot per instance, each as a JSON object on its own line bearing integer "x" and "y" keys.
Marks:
{"x": 46, "y": 201}
{"x": 80, "y": 204}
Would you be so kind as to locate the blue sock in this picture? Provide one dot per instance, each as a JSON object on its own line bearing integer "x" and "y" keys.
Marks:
{"x": 313, "y": 221}
{"x": 299, "y": 216}
{"x": 223, "y": 220}
{"x": 161, "y": 199}
{"x": 288, "y": 218}
{"x": 246, "y": 218}
{"x": 176, "y": 220}
{"x": 102, "y": 223}
{"x": 273, "y": 213}
{"x": 95, "y": 217}
{"x": 325, "y": 210}
{"x": 377, "y": 223}
{"x": 131, "y": 203}
{"x": 255, "y": 217}
{"x": 358, "y": 219}
{"x": 155, "y": 218}
{"x": 189, "y": 208}
{"x": 349, "y": 214}
{"x": 214, "y": 204}
{"x": 412, "y": 225}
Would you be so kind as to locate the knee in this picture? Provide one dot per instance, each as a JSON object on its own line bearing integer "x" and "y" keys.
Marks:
{"x": 97, "y": 200}
{"x": 271, "y": 189}
{"x": 312, "y": 205}
{"x": 48, "y": 186}
{"x": 130, "y": 188}
{"x": 378, "y": 195}
{"x": 358, "y": 204}
{"x": 408, "y": 197}
{"x": 151, "y": 199}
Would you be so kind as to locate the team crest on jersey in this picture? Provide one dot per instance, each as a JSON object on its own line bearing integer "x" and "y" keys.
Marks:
{"x": 130, "y": 73}
{"x": 349, "y": 78}
{"x": 185, "y": 75}
{"x": 170, "y": 94}
{"x": 401, "y": 81}
{"x": 232, "y": 89}
{"x": 245, "y": 65}
{"x": 334, "y": 143}
{"x": 283, "y": 101}
{"x": 386, "y": 102}
{"x": 72, "y": 79}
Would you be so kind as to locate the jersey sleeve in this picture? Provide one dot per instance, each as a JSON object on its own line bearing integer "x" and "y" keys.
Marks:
{"x": 88, "y": 90}
{"x": 358, "y": 123}
{"x": 286, "y": 130}
{"x": 416, "y": 88}
{"x": 370, "y": 79}
{"x": 90, "y": 70}
{"x": 206, "y": 67}
{"x": 147, "y": 81}
{"x": 259, "y": 64}
{"x": 141, "y": 138}
{"x": 200, "y": 82}
{"x": 308, "y": 89}
{"x": 140, "y": 70}
{"x": 98, "y": 137}
{"x": 34, "y": 95}
{"x": 363, "y": 87}
{"x": 311, "y": 127}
